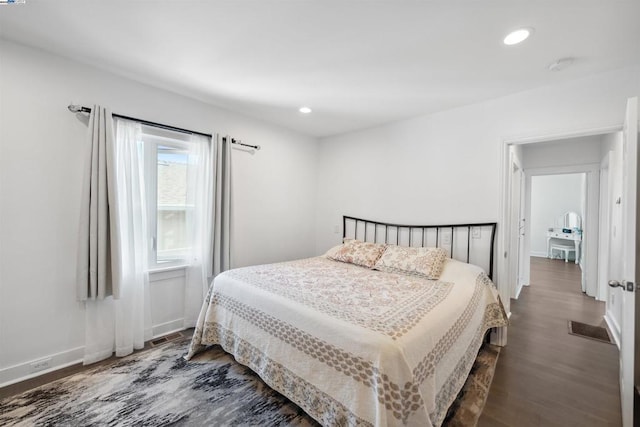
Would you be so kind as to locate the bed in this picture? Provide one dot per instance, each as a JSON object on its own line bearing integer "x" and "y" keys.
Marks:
{"x": 352, "y": 345}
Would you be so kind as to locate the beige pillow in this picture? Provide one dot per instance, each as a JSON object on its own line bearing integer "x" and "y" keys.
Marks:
{"x": 331, "y": 253}
{"x": 356, "y": 252}
{"x": 423, "y": 262}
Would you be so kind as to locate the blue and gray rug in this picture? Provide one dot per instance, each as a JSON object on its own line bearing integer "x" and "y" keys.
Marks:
{"x": 157, "y": 387}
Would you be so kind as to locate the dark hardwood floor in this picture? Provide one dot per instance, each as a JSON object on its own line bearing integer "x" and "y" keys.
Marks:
{"x": 544, "y": 376}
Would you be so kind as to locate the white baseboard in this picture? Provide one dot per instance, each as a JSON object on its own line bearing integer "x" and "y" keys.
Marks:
{"x": 518, "y": 290}
{"x": 24, "y": 371}
{"x": 168, "y": 327}
{"x": 538, "y": 254}
{"x": 546, "y": 255}
{"x": 613, "y": 327}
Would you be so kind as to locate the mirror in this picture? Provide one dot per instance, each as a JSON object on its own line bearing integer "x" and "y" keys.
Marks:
{"x": 569, "y": 220}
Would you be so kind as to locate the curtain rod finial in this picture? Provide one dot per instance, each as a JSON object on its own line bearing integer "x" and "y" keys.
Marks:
{"x": 78, "y": 108}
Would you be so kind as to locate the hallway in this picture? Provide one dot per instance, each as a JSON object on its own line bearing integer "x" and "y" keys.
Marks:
{"x": 545, "y": 376}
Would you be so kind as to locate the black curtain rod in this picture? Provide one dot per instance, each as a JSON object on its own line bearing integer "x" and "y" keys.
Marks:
{"x": 82, "y": 109}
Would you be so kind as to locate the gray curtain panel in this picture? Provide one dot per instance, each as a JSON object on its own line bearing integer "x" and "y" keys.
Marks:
{"x": 222, "y": 206}
{"x": 94, "y": 271}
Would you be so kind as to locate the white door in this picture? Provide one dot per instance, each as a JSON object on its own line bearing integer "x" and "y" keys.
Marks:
{"x": 627, "y": 273}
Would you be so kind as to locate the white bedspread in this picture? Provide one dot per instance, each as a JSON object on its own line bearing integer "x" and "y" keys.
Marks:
{"x": 349, "y": 345}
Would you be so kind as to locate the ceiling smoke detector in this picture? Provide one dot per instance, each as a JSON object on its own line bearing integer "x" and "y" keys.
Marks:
{"x": 560, "y": 64}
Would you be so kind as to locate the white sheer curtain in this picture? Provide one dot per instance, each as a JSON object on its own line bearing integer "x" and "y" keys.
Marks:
{"x": 200, "y": 189}
{"x": 123, "y": 324}
{"x": 132, "y": 314}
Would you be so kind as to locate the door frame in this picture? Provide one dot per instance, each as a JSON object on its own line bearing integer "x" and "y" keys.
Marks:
{"x": 504, "y": 208}
{"x": 515, "y": 199}
{"x": 605, "y": 227}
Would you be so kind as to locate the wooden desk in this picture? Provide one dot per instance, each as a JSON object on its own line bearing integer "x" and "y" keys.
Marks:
{"x": 557, "y": 233}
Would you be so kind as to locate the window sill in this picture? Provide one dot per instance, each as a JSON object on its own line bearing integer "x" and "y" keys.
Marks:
{"x": 161, "y": 269}
{"x": 159, "y": 274}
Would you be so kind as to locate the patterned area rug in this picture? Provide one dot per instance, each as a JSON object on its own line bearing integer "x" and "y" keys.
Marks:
{"x": 156, "y": 387}
{"x": 466, "y": 410}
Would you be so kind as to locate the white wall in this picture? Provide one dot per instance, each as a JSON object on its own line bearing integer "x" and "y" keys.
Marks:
{"x": 41, "y": 154}
{"x": 551, "y": 197}
{"x": 445, "y": 167}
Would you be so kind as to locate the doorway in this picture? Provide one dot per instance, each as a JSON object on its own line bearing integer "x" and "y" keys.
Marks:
{"x": 621, "y": 141}
{"x": 579, "y": 152}
{"x": 552, "y": 200}
{"x": 575, "y": 162}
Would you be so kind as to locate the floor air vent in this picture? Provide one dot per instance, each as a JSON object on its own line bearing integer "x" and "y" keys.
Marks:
{"x": 166, "y": 338}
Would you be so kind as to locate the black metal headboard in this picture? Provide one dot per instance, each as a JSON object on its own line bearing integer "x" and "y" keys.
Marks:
{"x": 471, "y": 243}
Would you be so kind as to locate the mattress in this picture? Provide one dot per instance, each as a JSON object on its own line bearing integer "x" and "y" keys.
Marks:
{"x": 350, "y": 345}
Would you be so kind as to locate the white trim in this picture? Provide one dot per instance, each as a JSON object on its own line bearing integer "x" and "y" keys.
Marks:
{"x": 613, "y": 328}
{"x": 539, "y": 254}
{"x": 22, "y": 371}
{"x": 518, "y": 290}
{"x": 168, "y": 328}
{"x": 165, "y": 273}
{"x": 562, "y": 170}
{"x": 564, "y": 134}
{"x": 501, "y": 271}
{"x": 605, "y": 225}
{"x": 515, "y": 244}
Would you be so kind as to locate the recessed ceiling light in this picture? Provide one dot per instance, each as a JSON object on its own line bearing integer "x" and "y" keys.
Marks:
{"x": 305, "y": 110}
{"x": 517, "y": 36}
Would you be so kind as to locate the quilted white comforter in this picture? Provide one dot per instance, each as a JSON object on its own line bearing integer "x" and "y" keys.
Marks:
{"x": 349, "y": 345}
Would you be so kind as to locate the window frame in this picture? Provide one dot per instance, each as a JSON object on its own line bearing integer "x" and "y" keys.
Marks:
{"x": 152, "y": 139}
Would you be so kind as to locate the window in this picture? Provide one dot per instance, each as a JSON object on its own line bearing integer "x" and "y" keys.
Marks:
{"x": 166, "y": 185}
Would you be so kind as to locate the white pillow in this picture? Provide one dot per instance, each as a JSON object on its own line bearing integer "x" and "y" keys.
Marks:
{"x": 423, "y": 262}
{"x": 360, "y": 253}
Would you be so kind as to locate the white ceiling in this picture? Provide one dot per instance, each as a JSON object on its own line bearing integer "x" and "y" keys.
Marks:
{"x": 357, "y": 64}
